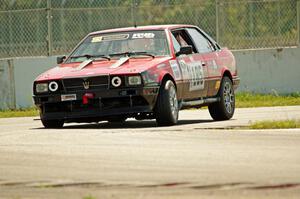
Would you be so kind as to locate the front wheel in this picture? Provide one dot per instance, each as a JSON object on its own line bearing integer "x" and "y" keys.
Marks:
{"x": 52, "y": 124}
{"x": 166, "y": 110}
{"x": 223, "y": 109}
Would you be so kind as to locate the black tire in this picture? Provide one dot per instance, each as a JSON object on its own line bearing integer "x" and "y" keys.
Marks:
{"x": 166, "y": 109}
{"x": 223, "y": 109}
{"x": 53, "y": 124}
{"x": 117, "y": 119}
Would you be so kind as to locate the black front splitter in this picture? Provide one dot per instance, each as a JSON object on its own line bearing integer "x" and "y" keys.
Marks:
{"x": 95, "y": 115}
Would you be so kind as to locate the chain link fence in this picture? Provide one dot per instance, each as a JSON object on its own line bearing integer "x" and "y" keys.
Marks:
{"x": 53, "y": 27}
{"x": 258, "y": 24}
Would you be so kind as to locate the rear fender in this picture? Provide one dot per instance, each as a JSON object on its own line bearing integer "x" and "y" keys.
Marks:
{"x": 226, "y": 72}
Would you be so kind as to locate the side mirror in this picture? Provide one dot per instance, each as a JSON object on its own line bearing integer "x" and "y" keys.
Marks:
{"x": 60, "y": 59}
{"x": 185, "y": 50}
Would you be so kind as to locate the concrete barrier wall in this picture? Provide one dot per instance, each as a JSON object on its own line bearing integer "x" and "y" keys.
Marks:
{"x": 261, "y": 71}
{"x": 25, "y": 71}
{"x": 272, "y": 70}
{"x": 7, "y": 86}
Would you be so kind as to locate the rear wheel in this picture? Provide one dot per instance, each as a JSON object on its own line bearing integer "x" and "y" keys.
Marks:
{"x": 52, "y": 124}
{"x": 166, "y": 110}
{"x": 224, "y": 109}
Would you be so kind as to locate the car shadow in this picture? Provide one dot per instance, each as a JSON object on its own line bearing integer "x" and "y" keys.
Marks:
{"x": 129, "y": 124}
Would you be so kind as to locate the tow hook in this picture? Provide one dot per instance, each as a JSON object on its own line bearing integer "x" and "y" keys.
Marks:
{"x": 86, "y": 97}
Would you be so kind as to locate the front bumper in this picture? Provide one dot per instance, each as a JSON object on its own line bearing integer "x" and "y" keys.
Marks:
{"x": 105, "y": 103}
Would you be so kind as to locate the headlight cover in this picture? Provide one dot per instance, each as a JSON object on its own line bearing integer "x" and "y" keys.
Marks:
{"x": 134, "y": 80}
{"x": 41, "y": 87}
{"x": 53, "y": 86}
{"x": 116, "y": 81}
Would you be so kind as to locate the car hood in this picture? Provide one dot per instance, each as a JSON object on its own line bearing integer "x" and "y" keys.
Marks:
{"x": 103, "y": 67}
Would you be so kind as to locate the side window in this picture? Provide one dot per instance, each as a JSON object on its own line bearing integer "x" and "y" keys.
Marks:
{"x": 175, "y": 44}
{"x": 183, "y": 39}
{"x": 201, "y": 43}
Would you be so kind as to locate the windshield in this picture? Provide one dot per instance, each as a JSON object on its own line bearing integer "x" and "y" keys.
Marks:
{"x": 111, "y": 45}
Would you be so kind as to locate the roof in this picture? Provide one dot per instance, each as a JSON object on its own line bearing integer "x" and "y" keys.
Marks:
{"x": 151, "y": 27}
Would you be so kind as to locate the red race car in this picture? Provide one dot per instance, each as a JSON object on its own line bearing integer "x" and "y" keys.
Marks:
{"x": 147, "y": 72}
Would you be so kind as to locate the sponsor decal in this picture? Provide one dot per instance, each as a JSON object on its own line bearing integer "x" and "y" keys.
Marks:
{"x": 193, "y": 72}
{"x": 175, "y": 69}
{"x": 110, "y": 38}
{"x": 149, "y": 35}
{"x": 96, "y": 39}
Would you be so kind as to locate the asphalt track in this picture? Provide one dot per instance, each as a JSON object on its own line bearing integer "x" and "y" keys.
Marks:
{"x": 198, "y": 158}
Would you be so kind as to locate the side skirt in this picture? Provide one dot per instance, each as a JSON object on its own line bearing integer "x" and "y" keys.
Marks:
{"x": 198, "y": 102}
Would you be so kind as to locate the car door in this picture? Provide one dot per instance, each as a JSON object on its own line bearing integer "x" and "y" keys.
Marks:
{"x": 209, "y": 56}
{"x": 192, "y": 68}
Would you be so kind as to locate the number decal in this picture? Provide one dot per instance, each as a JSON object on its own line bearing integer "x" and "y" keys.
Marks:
{"x": 193, "y": 72}
{"x": 197, "y": 76}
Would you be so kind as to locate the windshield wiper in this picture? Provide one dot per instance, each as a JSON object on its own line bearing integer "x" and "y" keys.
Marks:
{"x": 92, "y": 56}
{"x": 129, "y": 54}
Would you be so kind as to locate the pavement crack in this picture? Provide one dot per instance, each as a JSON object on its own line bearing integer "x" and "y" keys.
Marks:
{"x": 20, "y": 183}
{"x": 278, "y": 186}
{"x": 71, "y": 184}
{"x": 169, "y": 184}
{"x": 222, "y": 186}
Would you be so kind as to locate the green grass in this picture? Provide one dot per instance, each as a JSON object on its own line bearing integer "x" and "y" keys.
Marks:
{"x": 281, "y": 124}
{"x": 244, "y": 100}
{"x": 29, "y": 112}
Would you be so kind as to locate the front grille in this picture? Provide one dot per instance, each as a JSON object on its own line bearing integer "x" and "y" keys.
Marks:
{"x": 76, "y": 84}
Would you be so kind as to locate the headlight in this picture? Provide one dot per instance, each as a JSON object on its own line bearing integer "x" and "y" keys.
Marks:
{"x": 134, "y": 80}
{"x": 41, "y": 88}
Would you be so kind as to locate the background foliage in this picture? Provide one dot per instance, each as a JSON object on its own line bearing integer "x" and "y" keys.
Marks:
{"x": 52, "y": 27}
